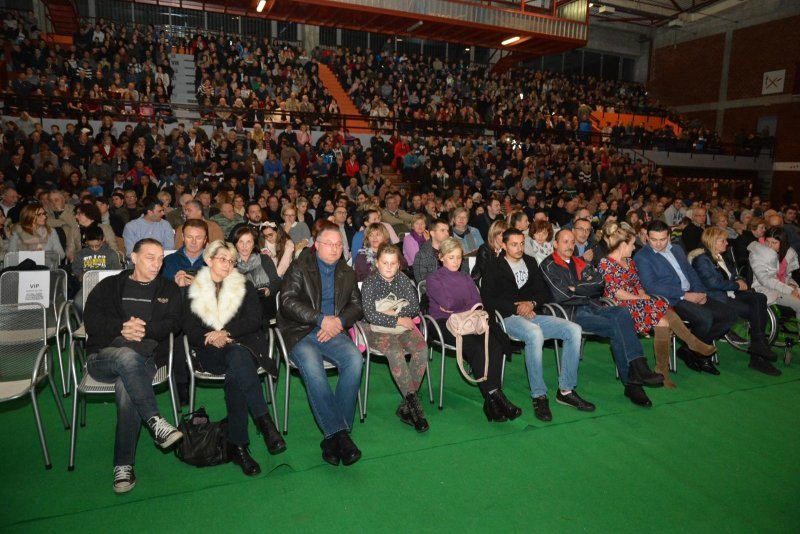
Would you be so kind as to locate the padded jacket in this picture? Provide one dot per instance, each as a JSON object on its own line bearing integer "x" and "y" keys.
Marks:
{"x": 103, "y": 314}
{"x": 301, "y": 298}
{"x": 714, "y": 278}
{"x": 588, "y": 286}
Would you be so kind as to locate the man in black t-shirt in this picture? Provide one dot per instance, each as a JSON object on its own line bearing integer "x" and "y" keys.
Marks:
{"x": 129, "y": 318}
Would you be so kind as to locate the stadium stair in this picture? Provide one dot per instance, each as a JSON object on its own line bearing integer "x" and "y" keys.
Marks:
{"x": 346, "y": 106}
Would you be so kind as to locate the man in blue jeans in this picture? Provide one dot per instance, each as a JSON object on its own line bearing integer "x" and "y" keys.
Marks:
{"x": 513, "y": 285}
{"x": 320, "y": 300}
{"x": 129, "y": 318}
{"x": 574, "y": 284}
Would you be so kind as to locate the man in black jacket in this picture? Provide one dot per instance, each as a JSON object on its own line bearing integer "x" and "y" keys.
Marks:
{"x": 320, "y": 300}
{"x": 129, "y": 318}
{"x": 576, "y": 285}
{"x": 514, "y": 286}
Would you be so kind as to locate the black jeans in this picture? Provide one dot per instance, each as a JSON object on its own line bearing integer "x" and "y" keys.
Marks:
{"x": 475, "y": 356}
{"x": 707, "y": 321}
{"x": 752, "y": 307}
{"x": 242, "y": 386}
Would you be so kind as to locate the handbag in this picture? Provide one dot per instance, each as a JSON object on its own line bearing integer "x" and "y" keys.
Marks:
{"x": 473, "y": 321}
{"x": 204, "y": 442}
{"x": 390, "y": 305}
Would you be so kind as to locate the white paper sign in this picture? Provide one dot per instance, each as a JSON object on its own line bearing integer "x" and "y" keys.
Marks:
{"x": 37, "y": 256}
{"x": 34, "y": 287}
{"x": 102, "y": 275}
{"x": 773, "y": 81}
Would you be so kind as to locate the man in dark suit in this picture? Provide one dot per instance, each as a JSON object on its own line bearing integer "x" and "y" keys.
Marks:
{"x": 665, "y": 271}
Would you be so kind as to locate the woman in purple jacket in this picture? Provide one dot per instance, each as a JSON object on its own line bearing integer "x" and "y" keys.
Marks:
{"x": 451, "y": 291}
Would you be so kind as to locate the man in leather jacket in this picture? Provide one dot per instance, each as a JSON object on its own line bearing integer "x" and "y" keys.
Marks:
{"x": 320, "y": 300}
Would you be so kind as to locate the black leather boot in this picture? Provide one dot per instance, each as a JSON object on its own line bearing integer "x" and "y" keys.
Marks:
{"x": 272, "y": 438}
{"x": 239, "y": 455}
{"x": 493, "y": 411}
{"x": 512, "y": 411}
{"x": 636, "y": 394}
{"x": 640, "y": 373}
{"x": 415, "y": 411}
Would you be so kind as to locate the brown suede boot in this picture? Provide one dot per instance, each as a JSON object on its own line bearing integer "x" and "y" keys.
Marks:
{"x": 682, "y": 331}
{"x": 661, "y": 346}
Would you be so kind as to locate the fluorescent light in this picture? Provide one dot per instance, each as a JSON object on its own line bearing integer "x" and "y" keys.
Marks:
{"x": 510, "y": 40}
{"x": 261, "y": 5}
{"x": 414, "y": 26}
{"x": 466, "y": 49}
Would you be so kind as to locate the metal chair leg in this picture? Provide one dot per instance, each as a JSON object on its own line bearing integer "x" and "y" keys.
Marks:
{"x": 441, "y": 380}
{"x": 74, "y": 434}
{"x": 57, "y": 398}
{"x": 366, "y": 384}
{"x": 271, "y": 384}
{"x": 40, "y": 428}
{"x": 430, "y": 385}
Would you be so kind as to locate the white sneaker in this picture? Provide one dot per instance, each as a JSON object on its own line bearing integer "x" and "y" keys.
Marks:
{"x": 124, "y": 478}
{"x": 164, "y": 434}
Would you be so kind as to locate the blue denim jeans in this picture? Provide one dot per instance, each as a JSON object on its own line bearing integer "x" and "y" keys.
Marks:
{"x": 242, "y": 386}
{"x": 533, "y": 332}
{"x": 132, "y": 375}
{"x": 616, "y": 324}
{"x": 334, "y": 411}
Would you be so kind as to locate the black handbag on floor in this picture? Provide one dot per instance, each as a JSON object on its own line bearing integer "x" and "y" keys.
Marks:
{"x": 204, "y": 442}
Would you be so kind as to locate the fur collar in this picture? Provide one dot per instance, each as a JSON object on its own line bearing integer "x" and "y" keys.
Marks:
{"x": 216, "y": 311}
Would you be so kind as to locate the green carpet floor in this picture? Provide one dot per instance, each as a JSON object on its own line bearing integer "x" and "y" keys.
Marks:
{"x": 717, "y": 454}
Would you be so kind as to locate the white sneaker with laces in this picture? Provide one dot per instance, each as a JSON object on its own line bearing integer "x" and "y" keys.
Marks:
{"x": 164, "y": 434}
{"x": 124, "y": 478}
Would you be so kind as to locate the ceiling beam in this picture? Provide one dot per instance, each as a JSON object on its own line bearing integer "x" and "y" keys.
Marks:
{"x": 634, "y": 6}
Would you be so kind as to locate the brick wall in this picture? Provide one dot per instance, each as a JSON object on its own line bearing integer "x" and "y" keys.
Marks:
{"x": 687, "y": 73}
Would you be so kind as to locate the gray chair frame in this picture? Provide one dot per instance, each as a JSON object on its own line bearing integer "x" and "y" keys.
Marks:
{"x": 31, "y": 338}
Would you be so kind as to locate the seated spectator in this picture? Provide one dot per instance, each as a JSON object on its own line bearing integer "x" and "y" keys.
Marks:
{"x": 5, "y": 233}
{"x": 227, "y": 218}
{"x": 222, "y": 321}
{"x": 253, "y": 217}
{"x": 33, "y": 233}
{"x": 372, "y": 216}
{"x": 723, "y": 283}
{"x": 649, "y": 314}
{"x": 490, "y": 250}
{"x": 278, "y": 247}
{"x": 399, "y": 219}
{"x": 741, "y": 247}
{"x": 259, "y": 269}
{"x": 364, "y": 262}
{"x": 95, "y": 255}
{"x": 150, "y": 224}
{"x": 394, "y": 333}
{"x": 193, "y": 210}
{"x": 415, "y": 238}
{"x": 691, "y": 237}
{"x": 469, "y": 237}
{"x": 514, "y": 286}
{"x": 450, "y": 291}
{"x": 129, "y": 318}
{"x": 576, "y": 285}
{"x": 88, "y": 216}
{"x": 428, "y": 259}
{"x": 584, "y": 247}
{"x": 773, "y": 264}
{"x": 314, "y": 329}
{"x": 182, "y": 266}
{"x": 665, "y": 271}
{"x": 298, "y": 231}
{"x": 540, "y": 244}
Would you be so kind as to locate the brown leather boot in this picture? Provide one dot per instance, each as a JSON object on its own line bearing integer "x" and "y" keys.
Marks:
{"x": 682, "y": 331}
{"x": 661, "y": 346}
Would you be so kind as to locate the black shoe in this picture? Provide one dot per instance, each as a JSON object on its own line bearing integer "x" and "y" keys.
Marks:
{"x": 493, "y": 411}
{"x": 707, "y": 366}
{"x": 348, "y": 451}
{"x": 416, "y": 413}
{"x": 637, "y": 395}
{"x": 572, "y": 399}
{"x": 330, "y": 452}
{"x": 272, "y": 438}
{"x": 404, "y": 414}
{"x": 691, "y": 361}
{"x": 512, "y": 411}
{"x": 239, "y": 455}
{"x": 640, "y": 373}
{"x": 183, "y": 394}
{"x": 763, "y": 366}
{"x": 541, "y": 409}
{"x": 759, "y": 348}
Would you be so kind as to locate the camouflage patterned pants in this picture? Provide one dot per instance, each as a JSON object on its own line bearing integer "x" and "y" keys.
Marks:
{"x": 407, "y": 375}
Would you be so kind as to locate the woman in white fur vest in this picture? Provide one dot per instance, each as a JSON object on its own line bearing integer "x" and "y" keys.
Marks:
{"x": 224, "y": 326}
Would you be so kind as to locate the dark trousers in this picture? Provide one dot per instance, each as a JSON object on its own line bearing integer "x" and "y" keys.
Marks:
{"x": 242, "y": 386}
{"x": 752, "y": 307}
{"x": 475, "y": 356}
{"x": 707, "y": 321}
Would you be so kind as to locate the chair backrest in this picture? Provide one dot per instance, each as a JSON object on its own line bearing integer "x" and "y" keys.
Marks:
{"x": 23, "y": 343}
{"x": 12, "y": 259}
{"x": 92, "y": 278}
{"x": 10, "y": 283}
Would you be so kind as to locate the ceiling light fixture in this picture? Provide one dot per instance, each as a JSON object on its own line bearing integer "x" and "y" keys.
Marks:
{"x": 261, "y": 5}
{"x": 414, "y": 27}
{"x": 510, "y": 40}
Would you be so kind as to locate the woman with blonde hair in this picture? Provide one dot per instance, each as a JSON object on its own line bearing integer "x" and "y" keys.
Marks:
{"x": 33, "y": 233}
{"x": 718, "y": 273}
{"x": 468, "y": 236}
{"x": 622, "y": 285}
{"x": 490, "y": 249}
{"x": 375, "y": 235}
{"x": 415, "y": 238}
